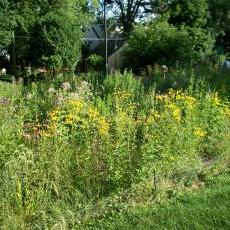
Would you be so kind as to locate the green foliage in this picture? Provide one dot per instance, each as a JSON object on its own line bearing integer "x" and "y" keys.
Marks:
{"x": 57, "y": 38}
{"x": 193, "y": 13}
{"x": 6, "y": 23}
{"x": 163, "y": 43}
{"x": 70, "y": 156}
{"x": 44, "y": 33}
{"x": 204, "y": 209}
{"x": 96, "y": 61}
{"x": 219, "y": 22}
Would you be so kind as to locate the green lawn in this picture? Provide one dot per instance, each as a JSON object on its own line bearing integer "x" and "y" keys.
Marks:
{"x": 204, "y": 209}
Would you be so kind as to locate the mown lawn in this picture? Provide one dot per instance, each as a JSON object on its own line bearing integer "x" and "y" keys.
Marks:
{"x": 208, "y": 208}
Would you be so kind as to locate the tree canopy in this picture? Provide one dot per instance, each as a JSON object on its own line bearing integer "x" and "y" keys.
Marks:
{"x": 50, "y": 32}
{"x": 44, "y": 32}
{"x": 163, "y": 43}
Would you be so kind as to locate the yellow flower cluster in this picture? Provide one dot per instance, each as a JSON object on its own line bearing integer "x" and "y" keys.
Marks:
{"x": 227, "y": 112}
{"x": 76, "y": 111}
{"x": 190, "y": 101}
{"x": 54, "y": 114}
{"x": 175, "y": 111}
{"x": 76, "y": 105}
{"x": 216, "y": 100}
{"x": 161, "y": 97}
{"x": 174, "y": 95}
{"x": 198, "y": 132}
{"x": 153, "y": 117}
{"x": 101, "y": 124}
{"x": 69, "y": 119}
{"x": 122, "y": 95}
{"x": 174, "y": 101}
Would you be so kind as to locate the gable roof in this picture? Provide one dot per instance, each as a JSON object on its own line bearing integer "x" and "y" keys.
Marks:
{"x": 95, "y": 40}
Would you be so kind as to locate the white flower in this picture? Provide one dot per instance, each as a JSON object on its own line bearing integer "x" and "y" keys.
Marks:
{"x": 51, "y": 91}
{"x": 66, "y": 86}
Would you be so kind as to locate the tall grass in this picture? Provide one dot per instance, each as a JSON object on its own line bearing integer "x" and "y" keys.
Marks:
{"x": 76, "y": 148}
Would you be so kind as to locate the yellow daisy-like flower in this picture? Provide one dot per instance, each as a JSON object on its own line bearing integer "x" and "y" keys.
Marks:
{"x": 76, "y": 105}
{"x": 102, "y": 126}
{"x": 216, "y": 100}
{"x": 190, "y": 101}
{"x": 69, "y": 119}
{"x": 153, "y": 117}
{"x": 198, "y": 132}
{"x": 176, "y": 112}
{"x": 93, "y": 113}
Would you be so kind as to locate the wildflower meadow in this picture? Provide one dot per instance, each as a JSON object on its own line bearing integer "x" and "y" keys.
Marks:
{"x": 80, "y": 149}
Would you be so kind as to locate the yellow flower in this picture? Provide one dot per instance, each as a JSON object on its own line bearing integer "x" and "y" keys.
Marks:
{"x": 227, "y": 112}
{"x": 131, "y": 106}
{"x": 46, "y": 134}
{"x": 93, "y": 113}
{"x": 153, "y": 117}
{"x": 176, "y": 112}
{"x": 53, "y": 115}
{"x": 161, "y": 97}
{"x": 190, "y": 101}
{"x": 199, "y": 132}
{"x": 76, "y": 105}
{"x": 69, "y": 119}
{"x": 52, "y": 127}
{"x": 216, "y": 100}
{"x": 103, "y": 126}
{"x": 172, "y": 158}
{"x": 122, "y": 95}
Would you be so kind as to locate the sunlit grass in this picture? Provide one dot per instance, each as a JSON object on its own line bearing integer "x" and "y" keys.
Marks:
{"x": 75, "y": 149}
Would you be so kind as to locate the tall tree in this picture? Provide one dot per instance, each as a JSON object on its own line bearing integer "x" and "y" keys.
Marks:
{"x": 131, "y": 10}
{"x": 162, "y": 43}
{"x": 57, "y": 36}
{"x": 192, "y": 13}
{"x": 7, "y": 22}
{"x": 219, "y": 21}
{"x": 43, "y": 32}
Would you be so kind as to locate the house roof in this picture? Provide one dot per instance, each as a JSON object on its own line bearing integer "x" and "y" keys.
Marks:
{"x": 95, "y": 40}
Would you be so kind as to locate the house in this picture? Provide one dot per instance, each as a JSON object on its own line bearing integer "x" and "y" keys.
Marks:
{"x": 95, "y": 44}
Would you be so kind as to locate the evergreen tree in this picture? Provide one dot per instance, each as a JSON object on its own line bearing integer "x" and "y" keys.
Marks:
{"x": 43, "y": 32}
{"x": 57, "y": 35}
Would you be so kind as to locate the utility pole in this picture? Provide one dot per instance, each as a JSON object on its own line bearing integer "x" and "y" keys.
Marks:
{"x": 106, "y": 40}
{"x": 106, "y": 36}
{"x": 14, "y": 64}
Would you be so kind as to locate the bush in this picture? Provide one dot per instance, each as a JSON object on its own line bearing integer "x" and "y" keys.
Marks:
{"x": 164, "y": 44}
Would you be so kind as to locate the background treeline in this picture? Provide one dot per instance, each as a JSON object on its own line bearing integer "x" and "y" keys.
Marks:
{"x": 179, "y": 32}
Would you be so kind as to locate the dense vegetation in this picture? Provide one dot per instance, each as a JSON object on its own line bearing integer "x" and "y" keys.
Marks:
{"x": 146, "y": 147}
{"x": 83, "y": 148}
{"x": 51, "y": 33}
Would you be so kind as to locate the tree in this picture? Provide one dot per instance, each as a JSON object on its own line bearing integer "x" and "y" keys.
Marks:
{"x": 7, "y": 23}
{"x": 131, "y": 10}
{"x": 165, "y": 44}
{"x": 17, "y": 18}
{"x": 57, "y": 36}
{"x": 192, "y": 13}
{"x": 219, "y": 22}
{"x": 126, "y": 11}
{"x": 43, "y": 32}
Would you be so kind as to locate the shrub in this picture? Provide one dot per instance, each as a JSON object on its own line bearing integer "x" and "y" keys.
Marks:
{"x": 162, "y": 43}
